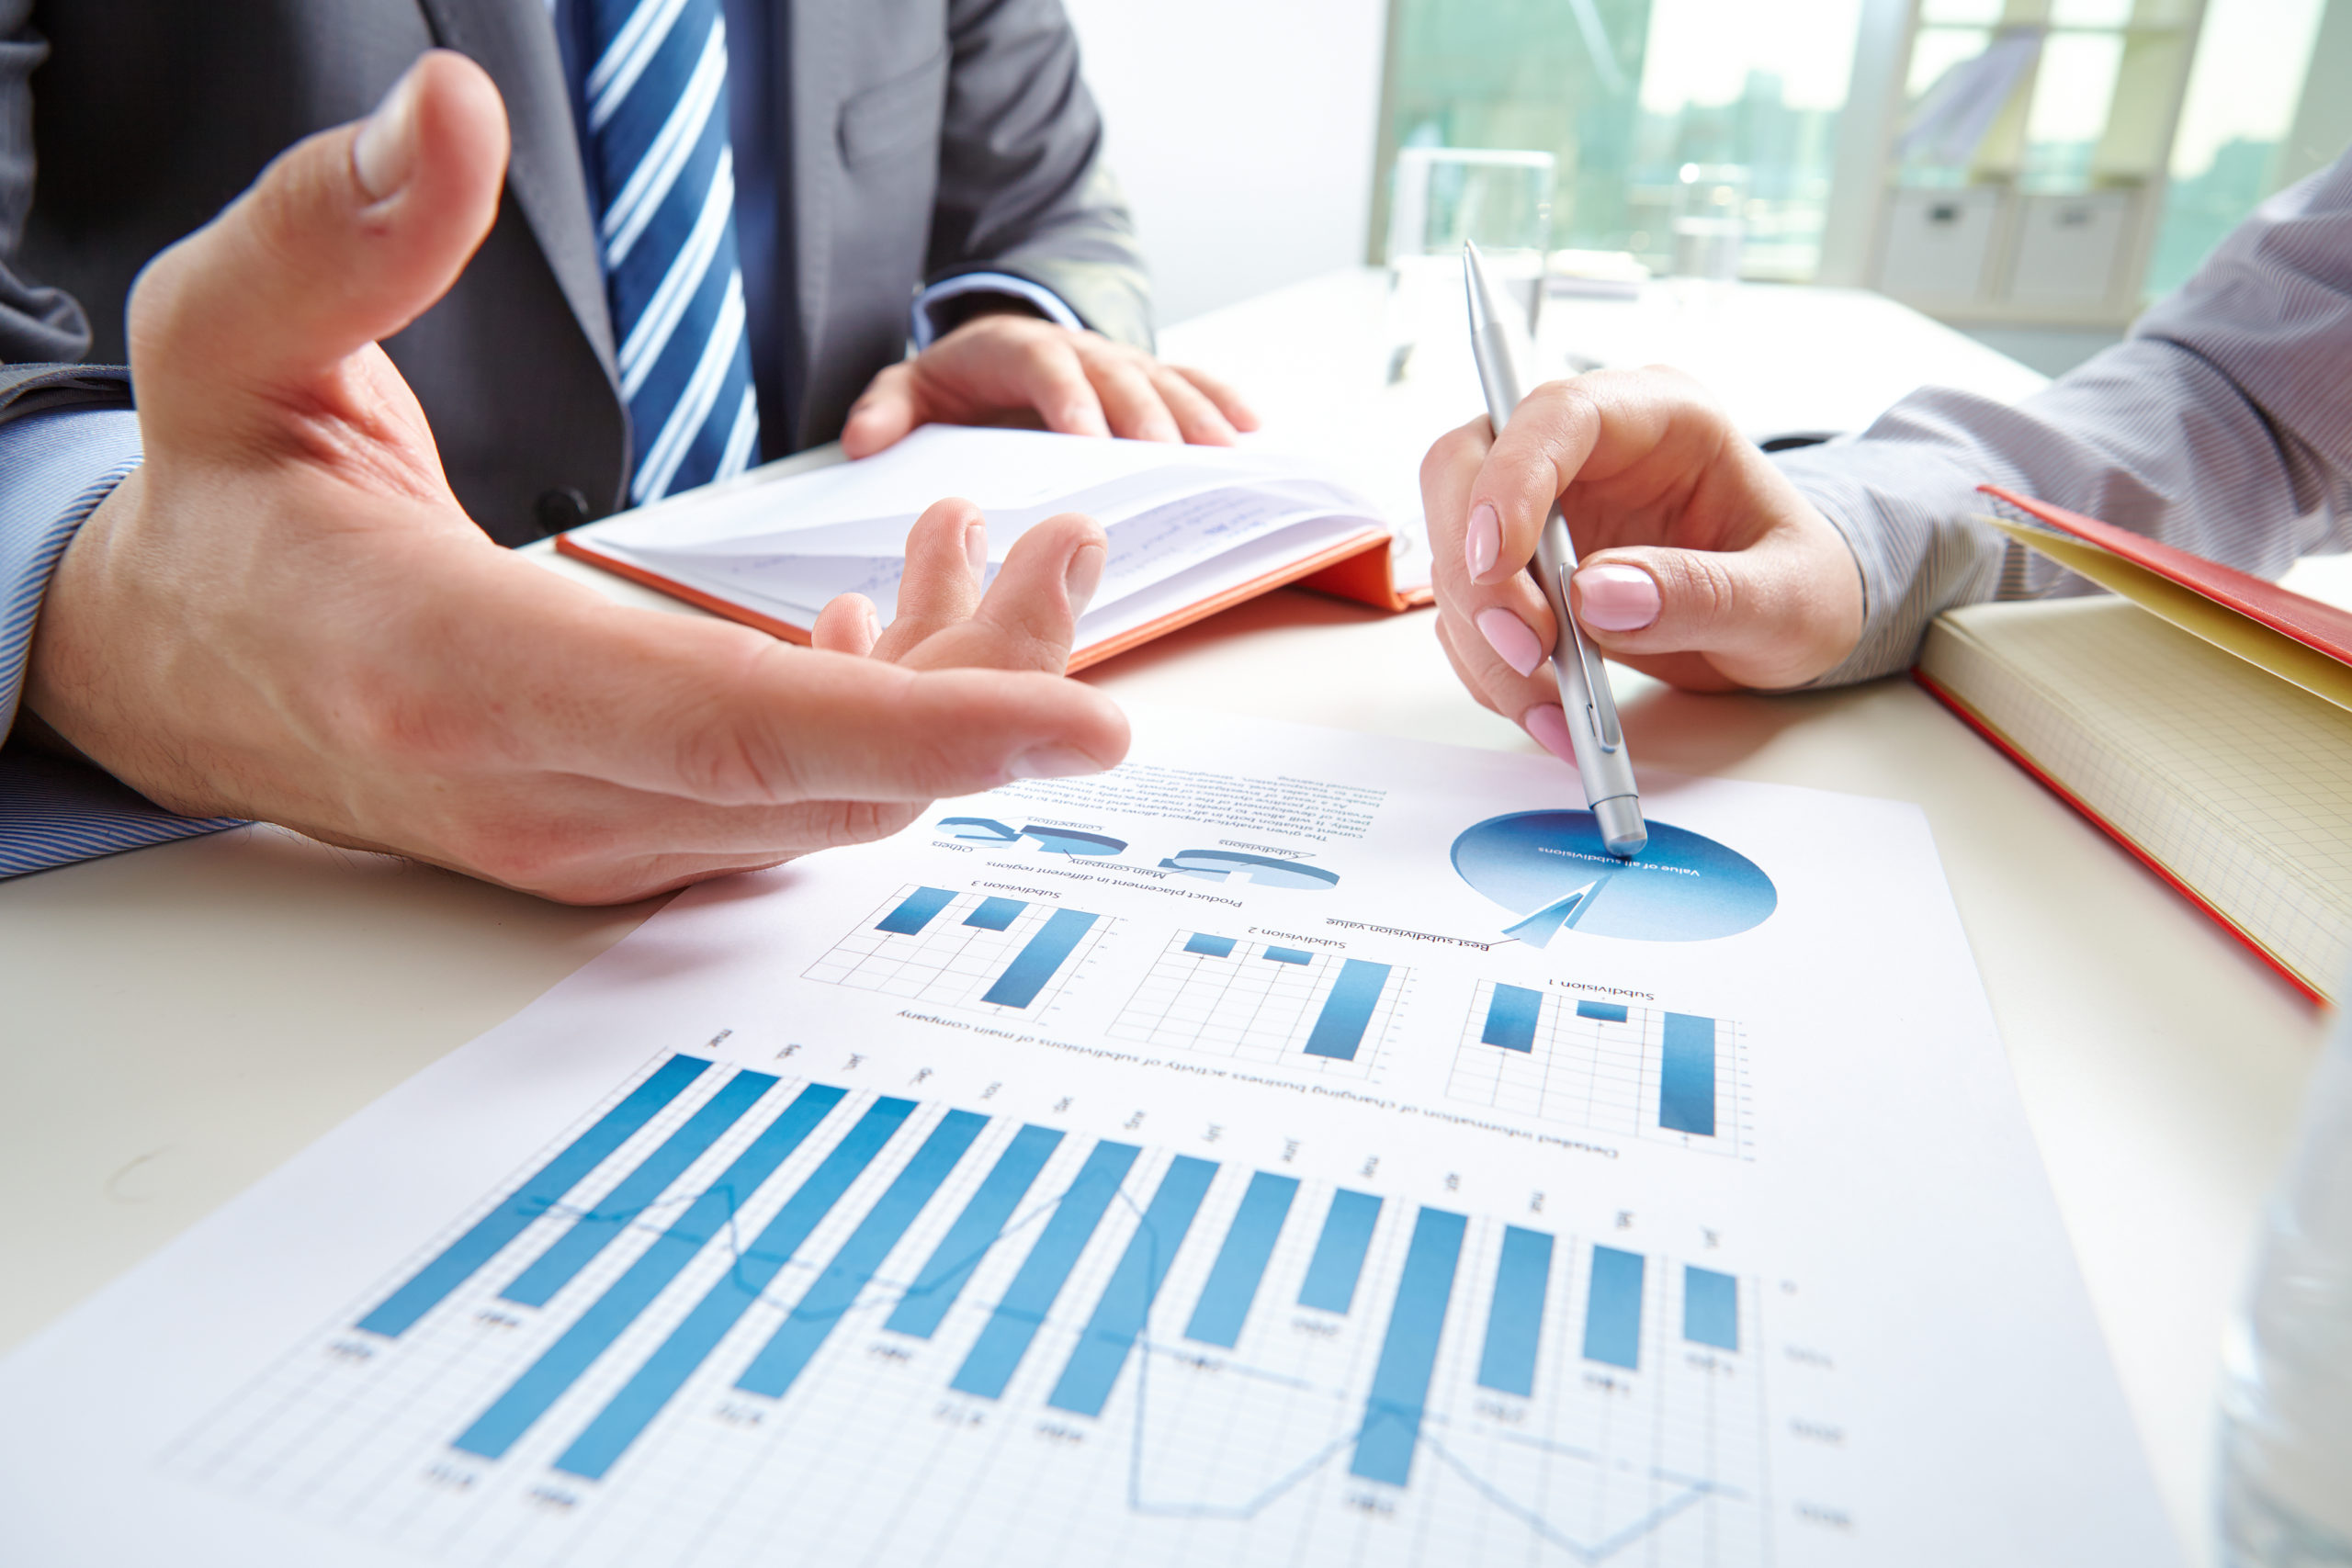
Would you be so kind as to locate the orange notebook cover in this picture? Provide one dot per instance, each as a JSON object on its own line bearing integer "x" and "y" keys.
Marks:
{"x": 1213, "y": 527}
{"x": 2321, "y": 627}
{"x": 1358, "y": 568}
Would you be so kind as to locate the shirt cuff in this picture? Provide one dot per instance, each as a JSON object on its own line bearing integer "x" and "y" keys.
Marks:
{"x": 1048, "y": 303}
{"x": 1912, "y": 520}
{"x": 55, "y": 471}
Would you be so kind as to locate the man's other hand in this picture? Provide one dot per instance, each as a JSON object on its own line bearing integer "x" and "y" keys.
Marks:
{"x": 284, "y": 614}
{"x": 1001, "y": 368}
{"x": 1698, "y": 562}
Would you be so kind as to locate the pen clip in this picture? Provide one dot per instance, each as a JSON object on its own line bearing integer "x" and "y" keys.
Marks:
{"x": 1601, "y": 700}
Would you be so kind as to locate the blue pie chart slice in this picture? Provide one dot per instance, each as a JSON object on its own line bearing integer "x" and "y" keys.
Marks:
{"x": 1053, "y": 840}
{"x": 1552, "y": 870}
{"x": 1070, "y": 841}
{"x": 1264, "y": 870}
{"x": 984, "y": 830}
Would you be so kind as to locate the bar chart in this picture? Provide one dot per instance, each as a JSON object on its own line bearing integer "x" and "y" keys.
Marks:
{"x": 1611, "y": 1066}
{"x": 964, "y": 950}
{"x": 1276, "y": 1003}
{"x": 732, "y": 1315}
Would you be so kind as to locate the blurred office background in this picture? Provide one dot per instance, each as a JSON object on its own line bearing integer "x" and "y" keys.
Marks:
{"x": 2032, "y": 171}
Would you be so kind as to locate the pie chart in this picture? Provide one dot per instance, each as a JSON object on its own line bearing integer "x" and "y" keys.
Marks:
{"x": 1551, "y": 869}
{"x": 1264, "y": 870}
{"x": 1053, "y": 841}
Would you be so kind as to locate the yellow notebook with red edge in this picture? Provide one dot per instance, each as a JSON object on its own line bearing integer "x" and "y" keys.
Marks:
{"x": 2200, "y": 717}
{"x": 1192, "y": 530}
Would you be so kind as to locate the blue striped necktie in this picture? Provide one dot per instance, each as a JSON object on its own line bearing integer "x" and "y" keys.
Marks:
{"x": 656, "y": 104}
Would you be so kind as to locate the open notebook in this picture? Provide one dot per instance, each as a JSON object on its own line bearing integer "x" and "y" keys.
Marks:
{"x": 1192, "y": 530}
{"x": 2201, "y": 716}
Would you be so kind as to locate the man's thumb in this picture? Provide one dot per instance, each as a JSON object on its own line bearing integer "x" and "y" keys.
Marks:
{"x": 344, "y": 239}
{"x": 884, "y": 415}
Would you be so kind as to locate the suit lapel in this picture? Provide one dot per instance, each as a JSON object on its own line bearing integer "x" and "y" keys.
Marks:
{"x": 515, "y": 42}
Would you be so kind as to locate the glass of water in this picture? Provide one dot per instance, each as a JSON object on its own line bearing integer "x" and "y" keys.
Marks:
{"x": 1710, "y": 221}
{"x": 1498, "y": 199}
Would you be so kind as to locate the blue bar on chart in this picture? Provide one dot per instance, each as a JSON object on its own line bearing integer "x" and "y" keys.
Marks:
{"x": 1290, "y": 955}
{"x": 995, "y": 914}
{"x": 1338, "y": 1252}
{"x": 943, "y": 1274}
{"x": 823, "y": 1305}
{"x": 430, "y": 1285}
{"x": 1710, "y": 1308}
{"x": 1607, "y": 1012}
{"x": 633, "y": 1193}
{"x": 1613, "y": 1313}
{"x": 1018, "y": 1316}
{"x": 1240, "y": 1263}
{"x": 1209, "y": 946}
{"x": 1515, "y": 1319}
{"x": 1686, "y": 1078}
{"x": 1510, "y": 1018}
{"x": 914, "y": 911}
{"x": 641, "y": 1398}
{"x": 1124, "y": 1305}
{"x": 1035, "y": 964}
{"x": 1347, "y": 1012}
{"x": 593, "y": 1333}
{"x": 1400, "y": 1383}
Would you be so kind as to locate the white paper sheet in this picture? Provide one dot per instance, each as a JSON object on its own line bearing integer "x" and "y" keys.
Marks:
{"x": 1186, "y": 1166}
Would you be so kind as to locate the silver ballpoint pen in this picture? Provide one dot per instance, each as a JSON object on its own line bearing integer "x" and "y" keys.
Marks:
{"x": 1602, "y": 764}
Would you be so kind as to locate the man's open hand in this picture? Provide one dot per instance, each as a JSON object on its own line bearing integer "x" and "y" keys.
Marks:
{"x": 1002, "y": 367}
{"x": 284, "y": 614}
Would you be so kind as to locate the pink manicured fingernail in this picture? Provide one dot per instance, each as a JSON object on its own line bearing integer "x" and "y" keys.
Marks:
{"x": 976, "y": 549}
{"x": 1484, "y": 541}
{"x": 1616, "y": 598}
{"x": 1512, "y": 639}
{"x": 1548, "y": 722}
{"x": 1082, "y": 577}
{"x": 1061, "y": 761}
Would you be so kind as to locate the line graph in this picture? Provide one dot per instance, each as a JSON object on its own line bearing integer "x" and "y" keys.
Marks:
{"x": 829, "y": 1305}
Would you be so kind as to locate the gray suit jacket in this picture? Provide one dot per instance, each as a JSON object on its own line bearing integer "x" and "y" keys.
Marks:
{"x": 924, "y": 138}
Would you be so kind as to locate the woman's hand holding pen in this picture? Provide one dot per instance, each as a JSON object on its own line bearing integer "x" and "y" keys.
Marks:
{"x": 1699, "y": 562}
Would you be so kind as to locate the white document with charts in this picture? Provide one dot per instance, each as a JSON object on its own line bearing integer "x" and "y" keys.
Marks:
{"x": 1290, "y": 1148}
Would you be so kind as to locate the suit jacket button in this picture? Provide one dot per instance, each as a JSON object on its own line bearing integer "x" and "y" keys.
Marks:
{"x": 558, "y": 509}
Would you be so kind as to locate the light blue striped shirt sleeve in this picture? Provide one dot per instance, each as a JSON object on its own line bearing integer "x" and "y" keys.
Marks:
{"x": 2222, "y": 424}
{"x": 58, "y": 467}
{"x": 1050, "y": 305}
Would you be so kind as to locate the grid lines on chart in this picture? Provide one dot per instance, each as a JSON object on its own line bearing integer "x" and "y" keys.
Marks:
{"x": 1274, "y": 1003}
{"x": 1610, "y": 1066}
{"x": 1283, "y": 1347}
{"x": 985, "y": 952}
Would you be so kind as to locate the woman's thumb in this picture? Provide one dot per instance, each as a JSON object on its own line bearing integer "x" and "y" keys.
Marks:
{"x": 1771, "y": 614}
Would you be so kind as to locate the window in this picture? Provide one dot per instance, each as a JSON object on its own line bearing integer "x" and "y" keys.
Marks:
{"x": 1755, "y": 85}
{"x": 1625, "y": 93}
{"x": 2243, "y": 93}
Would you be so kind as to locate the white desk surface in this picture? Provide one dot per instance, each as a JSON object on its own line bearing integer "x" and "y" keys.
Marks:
{"x": 181, "y": 1020}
